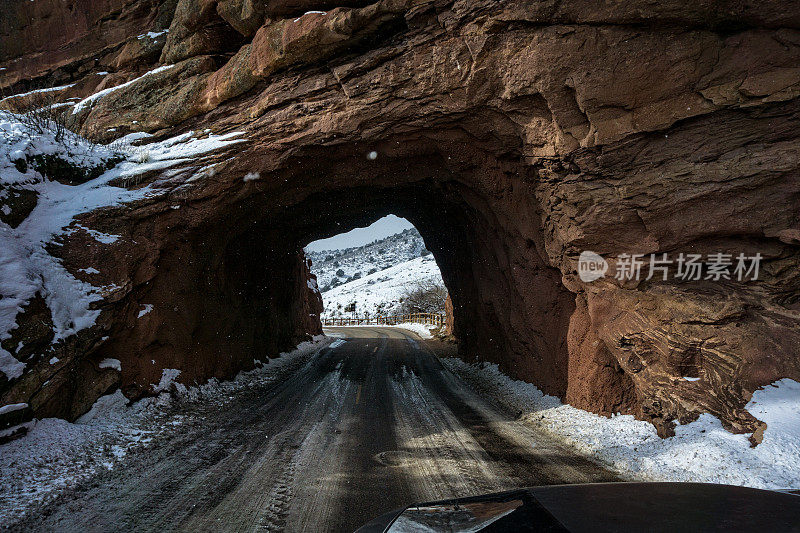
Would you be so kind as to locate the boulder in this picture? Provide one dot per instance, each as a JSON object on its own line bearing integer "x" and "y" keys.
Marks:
{"x": 16, "y": 203}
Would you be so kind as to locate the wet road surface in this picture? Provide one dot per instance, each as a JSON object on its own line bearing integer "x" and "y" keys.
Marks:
{"x": 372, "y": 423}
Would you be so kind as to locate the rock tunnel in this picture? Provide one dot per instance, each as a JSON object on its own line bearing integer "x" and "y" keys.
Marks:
{"x": 236, "y": 285}
{"x": 513, "y": 136}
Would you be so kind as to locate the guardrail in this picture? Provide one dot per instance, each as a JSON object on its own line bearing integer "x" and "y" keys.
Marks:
{"x": 435, "y": 319}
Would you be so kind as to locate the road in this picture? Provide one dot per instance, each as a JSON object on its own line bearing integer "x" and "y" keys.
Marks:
{"x": 371, "y": 423}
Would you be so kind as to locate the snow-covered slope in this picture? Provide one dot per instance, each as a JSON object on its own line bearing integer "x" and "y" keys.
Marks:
{"x": 336, "y": 267}
{"x": 26, "y": 266}
{"x": 380, "y": 292}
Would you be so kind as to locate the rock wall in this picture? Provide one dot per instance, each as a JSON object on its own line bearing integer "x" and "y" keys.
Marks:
{"x": 514, "y": 135}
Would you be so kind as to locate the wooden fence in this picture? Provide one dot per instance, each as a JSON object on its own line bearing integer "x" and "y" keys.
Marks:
{"x": 388, "y": 320}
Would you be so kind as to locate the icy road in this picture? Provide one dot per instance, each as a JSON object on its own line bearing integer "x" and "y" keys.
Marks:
{"x": 369, "y": 424}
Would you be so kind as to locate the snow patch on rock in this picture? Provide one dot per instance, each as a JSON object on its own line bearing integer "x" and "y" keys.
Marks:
{"x": 12, "y": 407}
{"x": 312, "y": 284}
{"x": 152, "y": 34}
{"x": 26, "y": 268}
{"x": 90, "y": 100}
{"x": 36, "y": 91}
{"x": 111, "y": 363}
{"x": 310, "y": 13}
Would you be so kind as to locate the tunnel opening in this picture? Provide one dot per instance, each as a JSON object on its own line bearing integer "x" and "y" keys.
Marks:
{"x": 230, "y": 284}
{"x": 382, "y": 273}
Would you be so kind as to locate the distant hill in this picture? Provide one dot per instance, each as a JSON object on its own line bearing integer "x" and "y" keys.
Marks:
{"x": 380, "y": 293}
{"x": 337, "y": 267}
{"x": 373, "y": 276}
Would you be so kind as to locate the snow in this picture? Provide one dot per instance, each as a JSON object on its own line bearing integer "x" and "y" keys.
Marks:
{"x": 133, "y": 137}
{"x": 99, "y": 236}
{"x": 153, "y": 34}
{"x": 168, "y": 377}
{"x": 111, "y": 363}
{"x": 26, "y": 268}
{"x": 251, "y": 176}
{"x": 90, "y": 270}
{"x": 96, "y": 96}
{"x": 12, "y": 407}
{"x": 687, "y": 378}
{"x": 54, "y": 360}
{"x": 146, "y": 309}
{"x": 48, "y": 90}
{"x": 423, "y": 330}
{"x": 311, "y": 13}
{"x": 182, "y": 147}
{"x": 701, "y": 451}
{"x": 10, "y": 366}
{"x": 55, "y": 455}
{"x": 380, "y": 292}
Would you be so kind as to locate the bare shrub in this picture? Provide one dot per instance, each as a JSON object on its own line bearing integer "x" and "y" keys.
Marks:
{"x": 78, "y": 161}
{"x": 41, "y": 113}
{"x": 426, "y": 296}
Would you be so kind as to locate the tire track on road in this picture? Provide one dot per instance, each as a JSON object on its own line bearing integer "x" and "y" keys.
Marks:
{"x": 370, "y": 425}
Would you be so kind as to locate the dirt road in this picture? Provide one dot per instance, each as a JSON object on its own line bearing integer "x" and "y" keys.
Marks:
{"x": 369, "y": 424}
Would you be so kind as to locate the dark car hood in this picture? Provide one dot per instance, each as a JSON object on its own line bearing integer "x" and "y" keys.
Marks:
{"x": 619, "y": 507}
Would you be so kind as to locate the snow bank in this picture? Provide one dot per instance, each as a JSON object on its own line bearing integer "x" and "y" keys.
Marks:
{"x": 702, "y": 451}
{"x": 264, "y": 373}
{"x": 56, "y": 454}
{"x": 25, "y": 266}
{"x": 423, "y": 330}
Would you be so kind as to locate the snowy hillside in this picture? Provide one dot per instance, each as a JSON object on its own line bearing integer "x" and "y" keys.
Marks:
{"x": 380, "y": 292}
{"x": 336, "y": 267}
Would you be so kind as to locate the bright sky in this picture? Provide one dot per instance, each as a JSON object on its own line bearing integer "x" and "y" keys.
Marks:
{"x": 388, "y": 225}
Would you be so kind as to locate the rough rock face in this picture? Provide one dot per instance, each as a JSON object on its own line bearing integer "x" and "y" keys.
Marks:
{"x": 513, "y": 134}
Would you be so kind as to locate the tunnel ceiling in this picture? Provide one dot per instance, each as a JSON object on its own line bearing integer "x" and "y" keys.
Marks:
{"x": 514, "y": 135}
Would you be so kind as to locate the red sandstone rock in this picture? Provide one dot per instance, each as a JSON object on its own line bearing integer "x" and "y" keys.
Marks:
{"x": 514, "y": 135}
